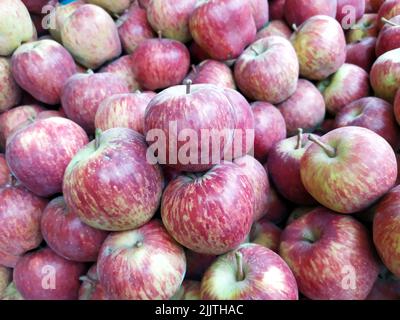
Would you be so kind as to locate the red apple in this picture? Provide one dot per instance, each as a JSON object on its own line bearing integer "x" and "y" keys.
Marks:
{"x": 43, "y": 275}
{"x": 341, "y": 162}
{"x": 275, "y": 28}
{"x": 265, "y": 233}
{"x": 386, "y": 230}
{"x": 211, "y": 212}
{"x": 278, "y": 208}
{"x": 197, "y": 53}
{"x": 5, "y": 279}
{"x": 189, "y": 290}
{"x": 304, "y": 109}
{"x": 276, "y": 9}
{"x": 5, "y": 174}
{"x": 260, "y": 11}
{"x": 349, "y": 11}
{"x": 255, "y": 77}
{"x": 99, "y": 185}
{"x": 331, "y": 256}
{"x": 386, "y": 287}
{"x": 298, "y": 11}
{"x": 347, "y": 84}
{"x": 112, "y": 6}
{"x": 42, "y": 78}
{"x": 372, "y": 6}
{"x": 83, "y": 94}
{"x": 133, "y": 28}
{"x": 284, "y": 168}
{"x": 396, "y": 106}
{"x": 251, "y": 272}
{"x": 388, "y": 10}
{"x": 144, "y": 3}
{"x": 91, "y": 288}
{"x": 67, "y": 235}
{"x": 124, "y": 111}
{"x": 160, "y": 63}
{"x": 35, "y": 6}
{"x": 366, "y": 27}
{"x": 230, "y": 25}
{"x": 319, "y": 55}
{"x": 362, "y": 53}
{"x": 10, "y": 93}
{"x": 389, "y": 36}
{"x": 197, "y": 264}
{"x": 91, "y": 36}
{"x": 374, "y": 114}
{"x": 298, "y": 213}
{"x": 270, "y": 127}
{"x": 141, "y": 264}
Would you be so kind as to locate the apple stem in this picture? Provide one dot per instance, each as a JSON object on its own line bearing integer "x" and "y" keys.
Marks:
{"x": 194, "y": 69}
{"x": 294, "y": 27}
{"x": 89, "y": 71}
{"x": 188, "y": 86}
{"x": 139, "y": 244}
{"x": 254, "y": 50}
{"x": 13, "y": 180}
{"x": 138, "y": 91}
{"x": 239, "y": 262}
{"x": 384, "y": 20}
{"x": 299, "y": 138}
{"x": 97, "y": 138}
{"x": 159, "y": 32}
{"x": 330, "y": 151}
{"x": 86, "y": 278}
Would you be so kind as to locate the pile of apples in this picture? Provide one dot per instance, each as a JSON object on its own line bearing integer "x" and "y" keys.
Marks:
{"x": 308, "y": 207}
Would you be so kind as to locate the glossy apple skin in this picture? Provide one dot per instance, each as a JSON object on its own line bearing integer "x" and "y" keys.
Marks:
{"x": 171, "y": 17}
{"x": 218, "y": 224}
{"x": 365, "y": 27}
{"x": 265, "y": 233}
{"x": 374, "y": 114}
{"x": 267, "y": 277}
{"x": 206, "y": 107}
{"x": 258, "y": 178}
{"x": 284, "y": 169}
{"x": 386, "y": 230}
{"x": 270, "y": 127}
{"x": 67, "y": 235}
{"x": 388, "y": 10}
{"x": 304, "y": 109}
{"x": 91, "y": 288}
{"x": 385, "y": 75}
{"x": 113, "y": 6}
{"x": 122, "y": 67}
{"x": 91, "y": 36}
{"x": 5, "y": 279}
{"x": 100, "y": 188}
{"x": 32, "y": 269}
{"x": 160, "y": 63}
{"x": 4, "y": 171}
{"x": 268, "y": 70}
{"x": 189, "y": 290}
{"x": 353, "y": 180}
{"x": 276, "y": 9}
{"x": 336, "y": 244}
{"x": 229, "y": 23}
{"x": 319, "y": 56}
{"x": 16, "y": 26}
{"x": 298, "y": 11}
{"x": 343, "y": 13}
{"x": 372, "y": 6}
{"x": 123, "y": 111}
{"x": 42, "y": 77}
{"x": 10, "y": 93}
{"x": 212, "y": 72}
{"x": 141, "y": 264}
{"x": 197, "y": 264}
{"x": 260, "y": 11}
{"x": 275, "y": 28}
{"x": 389, "y": 37}
{"x": 83, "y": 94}
{"x": 134, "y": 28}
{"x": 362, "y": 53}
{"x": 347, "y": 84}
{"x": 39, "y": 153}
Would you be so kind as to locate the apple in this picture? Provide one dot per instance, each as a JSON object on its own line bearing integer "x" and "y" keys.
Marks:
{"x": 341, "y": 161}
{"x": 43, "y": 275}
{"x": 278, "y": 208}
{"x": 374, "y": 114}
{"x": 362, "y": 53}
{"x": 372, "y": 6}
{"x": 203, "y": 111}
{"x": 365, "y": 27}
{"x": 160, "y": 63}
{"x": 319, "y": 55}
{"x": 91, "y": 288}
{"x": 331, "y": 256}
{"x": 212, "y": 72}
{"x": 304, "y": 109}
{"x": 11, "y": 293}
{"x": 389, "y": 36}
{"x": 396, "y": 106}
{"x": 67, "y": 235}
{"x": 112, "y": 6}
{"x": 298, "y": 213}
{"x": 197, "y": 53}
{"x": 5, "y": 174}
{"x": 5, "y": 279}
{"x": 122, "y": 67}
{"x": 270, "y": 127}
{"x": 141, "y": 264}
{"x": 123, "y": 110}
{"x": 386, "y": 230}
{"x": 189, "y": 290}
{"x": 197, "y": 264}
{"x": 298, "y": 11}
{"x": 265, "y": 233}
{"x": 133, "y": 28}
{"x": 388, "y": 10}
{"x": 82, "y": 95}
{"x": 210, "y": 212}
{"x": 386, "y": 287}
{"x": 230, "y": 25}
{"x": 20, "y": 213}
{"x": 91, "y": 36}
{"x": 258, "y": 178}
{"x": 276, "y": 9}
{"x": 10, "y": 93}
{"x": 99, "y": 185}
{"x": 349, "y": 11}
{"x": 260, "y": 11}
{"x": 14, "y": 34}
{"x": 171, "y": 17}
{"x": 385, "y": 75}
{"x": 42, "y": 78}
{"x": 274, "y": 28}
{"x": 347, "y": 84}
{"x": 284, "y": 168}
{"x": 251, "y": 272}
